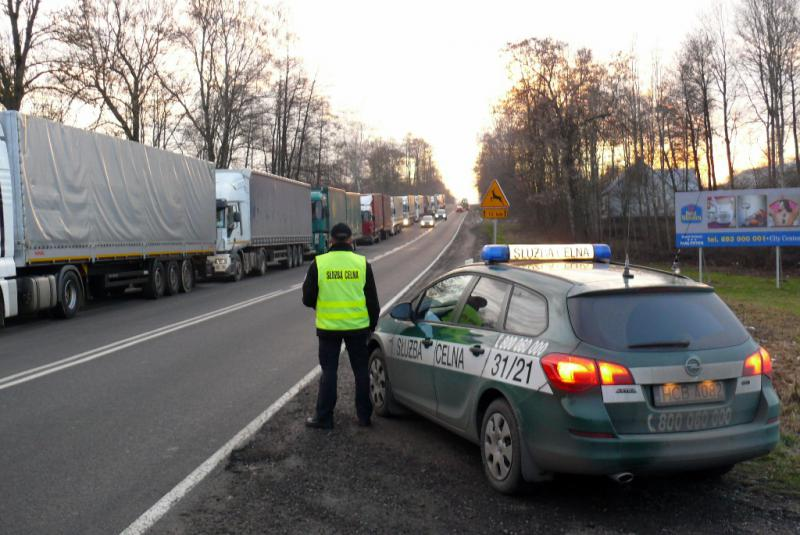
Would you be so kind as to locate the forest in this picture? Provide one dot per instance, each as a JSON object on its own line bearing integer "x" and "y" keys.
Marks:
{"x": 215, "y": 79}
{"x": 594, "y": 150}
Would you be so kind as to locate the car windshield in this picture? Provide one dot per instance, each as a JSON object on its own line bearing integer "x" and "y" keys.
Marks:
{"x": 427, "y": 218}
{"x": 655, "y": 321}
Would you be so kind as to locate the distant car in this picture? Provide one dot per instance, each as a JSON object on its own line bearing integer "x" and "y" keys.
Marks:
{"x": 578, "y": 366}
{"x": 427, "y": 221}
{"x": 441, "y": 213}
{"x": 459, "y": 208}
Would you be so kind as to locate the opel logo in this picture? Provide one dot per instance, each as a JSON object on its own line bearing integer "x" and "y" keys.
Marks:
{"x": 693, "y": 366}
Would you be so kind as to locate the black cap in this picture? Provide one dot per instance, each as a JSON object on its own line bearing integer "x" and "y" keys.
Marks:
{"x": 341, "y": 232}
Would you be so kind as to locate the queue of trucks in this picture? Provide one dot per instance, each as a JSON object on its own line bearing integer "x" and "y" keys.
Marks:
{"x": 84, "y": 215}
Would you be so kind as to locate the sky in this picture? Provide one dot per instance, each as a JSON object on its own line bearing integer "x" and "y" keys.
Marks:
{"x": 436, "y": 68}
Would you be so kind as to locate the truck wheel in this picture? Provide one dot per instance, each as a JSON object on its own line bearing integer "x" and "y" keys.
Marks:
{"x": 261, "y": 267}
{"x": 70, "y": 296}
{"x": 173, "y": 283}
{"x": 300, "y": 258}
{"x": 154, "y": 287}
{"x": 187, "y": 276}
{"x": 500, "y": 447}
{"x": 238, "y": 268}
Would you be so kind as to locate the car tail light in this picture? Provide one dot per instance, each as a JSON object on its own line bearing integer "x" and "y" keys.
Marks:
{"x": 766, "y": 363}
{"x": 759, "y": 363}
{"x": 614, "y": 374}
{"x": 570, "y": 373}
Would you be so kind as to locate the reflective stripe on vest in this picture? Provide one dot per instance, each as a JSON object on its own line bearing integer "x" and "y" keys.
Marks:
{"x": 341, "y": 304}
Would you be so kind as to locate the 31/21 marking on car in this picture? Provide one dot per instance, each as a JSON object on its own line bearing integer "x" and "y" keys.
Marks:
{"x": 673, "y": 422}
{"x": 513, "y": 368}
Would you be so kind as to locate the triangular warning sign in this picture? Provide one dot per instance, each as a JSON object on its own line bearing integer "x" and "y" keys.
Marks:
{"x": 494, "y": 197}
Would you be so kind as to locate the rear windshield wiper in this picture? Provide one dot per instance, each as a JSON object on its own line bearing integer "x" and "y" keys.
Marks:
{"x": 675, "y": 343}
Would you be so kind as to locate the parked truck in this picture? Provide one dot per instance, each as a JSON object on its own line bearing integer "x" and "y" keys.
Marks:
{"x": 328, "y": 207}
{"x": 85, "y": 214}
{"x": 372, "y": 218}
{"x": 353, "y": 218}
{"x": 413, "y": 214}
{"x": 397, "y": 214}
{"x": 387, "y": 226}
{"x": 262, "y": 220}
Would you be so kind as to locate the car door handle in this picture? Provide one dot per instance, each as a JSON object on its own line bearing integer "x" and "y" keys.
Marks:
{"x": 427, "y": 342}
{"x": 477, "y": 350}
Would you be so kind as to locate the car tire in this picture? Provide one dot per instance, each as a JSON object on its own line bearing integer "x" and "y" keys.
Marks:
{"x": 155, "y": 285}
{"x": 187, "y": 276}
{"x": 70, "y": 295}
{"x": 500, "y": 447}
{"x": 173, "y": 278}
{"x": 380, "y": 389}
{"x": 238, "y": 268}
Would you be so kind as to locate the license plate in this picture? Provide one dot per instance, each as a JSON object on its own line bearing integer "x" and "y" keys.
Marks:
{"x": 689, "y": 393}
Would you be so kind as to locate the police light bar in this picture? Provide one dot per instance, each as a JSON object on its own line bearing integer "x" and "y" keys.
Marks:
{"x": 598, "y": 252}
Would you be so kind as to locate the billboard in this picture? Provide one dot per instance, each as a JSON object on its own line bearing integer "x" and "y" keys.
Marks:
{"x": 738, "y": 218}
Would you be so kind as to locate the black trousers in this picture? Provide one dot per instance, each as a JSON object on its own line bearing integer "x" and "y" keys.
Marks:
{"x": 329, "y": 348}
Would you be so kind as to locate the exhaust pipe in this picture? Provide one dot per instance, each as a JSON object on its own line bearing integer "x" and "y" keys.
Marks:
{"x": 621, "y": 478}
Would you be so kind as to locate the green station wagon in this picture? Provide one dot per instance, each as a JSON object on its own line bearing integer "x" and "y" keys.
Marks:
{"x": 556, "y": 360}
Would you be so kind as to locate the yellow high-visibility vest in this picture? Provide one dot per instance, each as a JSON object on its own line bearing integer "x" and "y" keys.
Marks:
{"x": 341, "y": 304}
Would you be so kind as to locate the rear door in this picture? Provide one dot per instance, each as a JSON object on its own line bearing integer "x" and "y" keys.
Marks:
{"x": 685, "y": 351}
{"x": 413, "y": 347}
{"x": 461, "y": 348}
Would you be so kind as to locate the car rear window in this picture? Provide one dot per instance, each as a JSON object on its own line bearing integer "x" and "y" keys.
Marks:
{"x": 659, "y": 321}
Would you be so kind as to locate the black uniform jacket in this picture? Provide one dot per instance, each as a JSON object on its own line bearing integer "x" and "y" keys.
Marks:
{"x": 311, "y": 291}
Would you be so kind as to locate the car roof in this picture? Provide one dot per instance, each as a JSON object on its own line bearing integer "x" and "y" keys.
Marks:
{"x": 585, "y": 277}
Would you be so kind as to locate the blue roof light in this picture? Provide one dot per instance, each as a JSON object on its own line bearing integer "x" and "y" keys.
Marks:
{"x": 602, "y": 252}
{"x": 495, "y": 253}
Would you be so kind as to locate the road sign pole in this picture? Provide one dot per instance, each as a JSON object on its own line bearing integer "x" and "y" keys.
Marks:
{"x": 494, "y": 228}
{"x": 778, "y": 267}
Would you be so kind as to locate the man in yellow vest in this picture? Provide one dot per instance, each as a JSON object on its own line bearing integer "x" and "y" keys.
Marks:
{"x": 341, "y": 288}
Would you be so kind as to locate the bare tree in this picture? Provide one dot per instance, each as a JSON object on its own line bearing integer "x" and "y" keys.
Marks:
{"x": 18, "y": 70}
{"x": 111, "y": 57}
{"x": 723, "y": 70}
{"x": 769, "y": 32}
{"x": 225, "y": 42}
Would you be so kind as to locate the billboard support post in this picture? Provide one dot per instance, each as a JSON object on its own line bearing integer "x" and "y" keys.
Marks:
{"x": 778, "y": 268}
{"x": 700, "y": 263}
{"x": 494, "y": 230}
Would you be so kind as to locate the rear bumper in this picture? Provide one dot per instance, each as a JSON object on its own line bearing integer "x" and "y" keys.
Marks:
{"x": 656, "y": 453}
{"x": 552, "y": 447}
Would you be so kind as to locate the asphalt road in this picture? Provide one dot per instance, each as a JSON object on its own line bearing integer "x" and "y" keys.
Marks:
{"x": 88, "y": 448}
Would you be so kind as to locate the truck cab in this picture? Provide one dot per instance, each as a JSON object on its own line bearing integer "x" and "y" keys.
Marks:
{"x": 319, "y": 220}
{"x": 233, "y": 218}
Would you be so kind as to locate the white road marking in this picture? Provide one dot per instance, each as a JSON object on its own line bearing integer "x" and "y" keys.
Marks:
{"x": 170, "y": 499}
{"x": 114, "y": 347}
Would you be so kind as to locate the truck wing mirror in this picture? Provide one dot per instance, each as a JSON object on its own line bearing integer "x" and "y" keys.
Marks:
{"x": 237, "y": 217}
{"x": 402, "y": 312}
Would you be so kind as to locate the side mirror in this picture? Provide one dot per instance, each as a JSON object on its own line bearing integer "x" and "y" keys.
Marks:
{"x": 237, "y": 217}
{"x": 402, "y": 312}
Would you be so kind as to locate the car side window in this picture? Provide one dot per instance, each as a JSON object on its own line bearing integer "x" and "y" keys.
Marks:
{"x": 439, "y": 302}
{"x": 484, "y": 305}
{"x": 527, "y": 313}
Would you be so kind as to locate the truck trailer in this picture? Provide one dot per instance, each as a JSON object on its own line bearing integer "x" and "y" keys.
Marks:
{"x": 262, "y": 220}
{"x": 372, "y": 217}
{"x": 86, "y": 214}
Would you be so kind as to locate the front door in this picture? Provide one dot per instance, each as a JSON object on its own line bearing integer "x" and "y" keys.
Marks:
{"x": 413, "y": 348}
{"x": 461, "y": 350}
